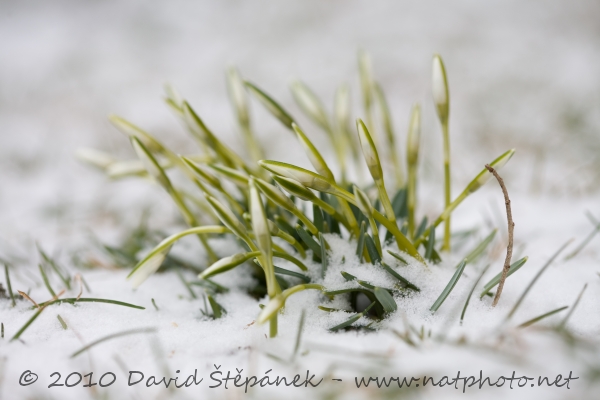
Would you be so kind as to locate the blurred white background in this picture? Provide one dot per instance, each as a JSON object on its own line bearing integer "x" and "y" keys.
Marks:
{"x": 521, "y": 75}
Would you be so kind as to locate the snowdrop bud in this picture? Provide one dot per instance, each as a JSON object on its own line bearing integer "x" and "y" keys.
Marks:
{"x": 271, "y": 308}
{"x": 238, "y": 95}
{"x": 131, "y": 130}
{"x": 227, "y": 217}
{"x": 194, "y": 123}
{"x": 121, "y": 169}
{"x": 311, "y": 105}
{"x": 95, "y": 157}
{"x": 225, "y": 264}
{"x": 414, "y": 135}
{"x": 342, "y": 107}
{"x": 363, "y": 202}
{"x": 295, "y": 188}
{"x": 150, "y": 163}
{"x": 148, "y": 267}
{"x": 273, "y": 229}
{"x": 485, "y": 175}
{"x": 201, "y": 171}
{"x": 259, "y": 221}
{"x": 274, "y": 108}
{"x": 274, "y": 194}
{"x": 173, "y": 95}
{"x": 365, "y": 68}
{"x": 369, "y": 150}
{"x": 238, "y": 177}
{"x": 441, "y": 96}
{"x": 305, "y": 177}
{"x": 313, "y": 154}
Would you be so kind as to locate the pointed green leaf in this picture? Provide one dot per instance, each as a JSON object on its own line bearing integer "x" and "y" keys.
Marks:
{"x": 449, "y": 287}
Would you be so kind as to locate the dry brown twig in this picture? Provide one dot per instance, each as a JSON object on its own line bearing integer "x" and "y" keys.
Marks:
{"x": 25, "y": 296}
{"x": 78, "y": 279}
{"x": 511, "y": 227}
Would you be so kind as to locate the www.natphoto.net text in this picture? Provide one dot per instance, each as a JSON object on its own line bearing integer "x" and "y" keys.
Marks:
{"x": 235, "y": 378}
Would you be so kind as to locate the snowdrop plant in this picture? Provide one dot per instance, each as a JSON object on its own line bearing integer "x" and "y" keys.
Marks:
{"x": 441, "y": 98}
{"x": 283, "y": 211}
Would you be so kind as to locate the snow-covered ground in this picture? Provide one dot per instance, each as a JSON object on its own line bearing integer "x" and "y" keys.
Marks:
{"x": 522, "y": 75}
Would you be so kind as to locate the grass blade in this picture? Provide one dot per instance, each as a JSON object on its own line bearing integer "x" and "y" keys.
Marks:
{"x": 299, "y": 334}
{"x": 422, "y": 226}
{"x": 187, "y": 285}
{"x": 398, "y": 257}
{"x": 535, "y": 278}
{"x": 352, "y": 319}
{"x": 496, "y": 279}
{"x": 112, "y": 336}
{"x": 464, "y": 310}
{"x": 46, "y": 282}
{"x": 360, "y": 246}
{"x": 218, "y": 310}
{"x": 291, "y": 259}
{"x": 65, "y": 279}
{"x": 586, "y": 240}
{"x": 449, "y": 286}
{"x": 372, "y": 250}
{"x": 74, "y": 300}
{"x": 385, "y": 299}
{"x": 287, "y": 272}
{"x": 396, "y": 275}
{"x": 536, "y": 319}
{"x": 318, "y": 218}
{"x": 572, "y": 310}
{"x": 62, "y": 322}
{"x": 29, "y": 322}
{"x": 430, "y": 243}
{"x": 9, "y": 287}
{"x": 323, "y": 255}
{"x": 309, "y": 241}
{"x": 476, "y": 252}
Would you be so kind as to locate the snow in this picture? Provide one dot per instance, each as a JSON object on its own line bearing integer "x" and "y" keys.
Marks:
{"x": 521, "y": 75}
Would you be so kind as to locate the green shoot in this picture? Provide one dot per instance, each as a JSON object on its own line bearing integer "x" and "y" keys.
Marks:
{"x": 441, "y": 98}
{"x": 449, "y": 286}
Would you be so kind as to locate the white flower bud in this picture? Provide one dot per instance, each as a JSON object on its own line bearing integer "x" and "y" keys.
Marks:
{"x": 441, "y": 96}
{"x": 369, "y": 150}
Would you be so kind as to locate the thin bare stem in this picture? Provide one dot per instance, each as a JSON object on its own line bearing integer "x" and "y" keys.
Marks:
{"x": 511, "y": 227}
{"x": 25, "y": 296}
